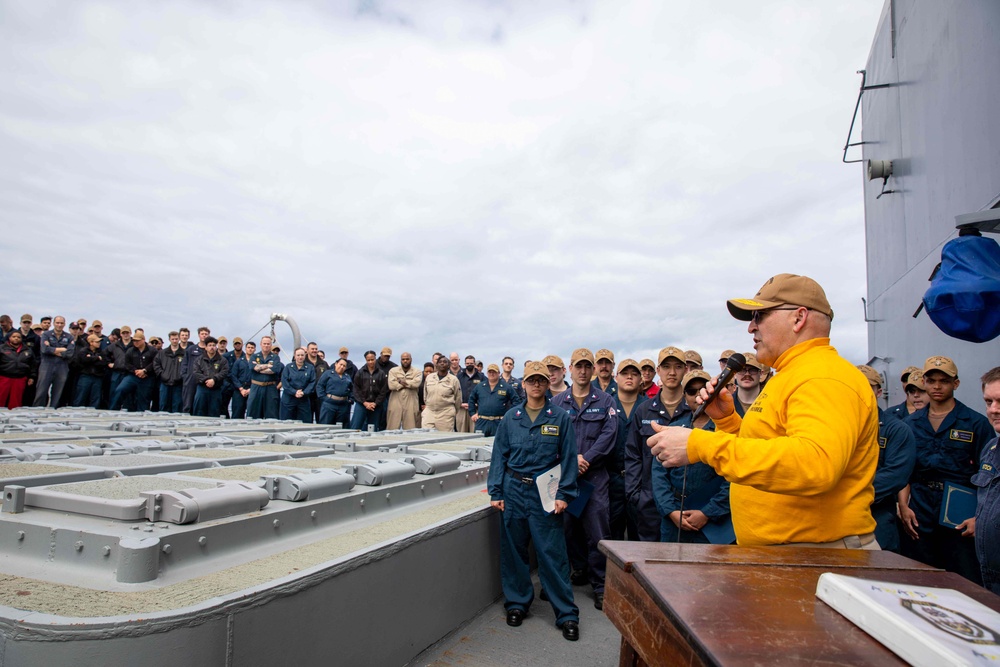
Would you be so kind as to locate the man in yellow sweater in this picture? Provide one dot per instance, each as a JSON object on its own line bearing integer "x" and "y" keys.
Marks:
{"x": 802, "y": 460}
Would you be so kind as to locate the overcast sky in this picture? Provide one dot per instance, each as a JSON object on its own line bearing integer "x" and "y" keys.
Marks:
{"x": 486, "y": 177}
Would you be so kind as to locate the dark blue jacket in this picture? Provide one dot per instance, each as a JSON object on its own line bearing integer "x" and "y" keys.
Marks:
{"x": 595, "y": 423}
{"x": 50, "y": 341}
{"x": 532, "y": 448}
{"x": 638, "y": 458}
{"x": 703, "y": 490}
{"x": 952, "y": 453}
{"x": 493, "y": 403}
{"x": 616, "y": 462}
{"x": 276, "y": 367}
{"x": 294, "y": 378}
{"x": 469, "y": 383}
{"x": 612, "y": 386}
{"x": 240, "y": 373}
{"x": 331, "y": 384}
{"x": 897, "y": 453}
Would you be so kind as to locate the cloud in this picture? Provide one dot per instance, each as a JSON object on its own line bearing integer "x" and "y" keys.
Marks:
{"x": 486, "y": 177}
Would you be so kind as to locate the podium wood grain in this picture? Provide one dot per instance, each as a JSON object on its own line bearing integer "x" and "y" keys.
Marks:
{"x": 703, "y": 604}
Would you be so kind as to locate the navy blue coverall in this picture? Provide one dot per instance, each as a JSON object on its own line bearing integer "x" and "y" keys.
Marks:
{"x": 294, "y": 378}
{"x": 897, "y": 452}
{"x": 950, "y": 454}
{"x": 639, "y": 464}
{"x": 334, "y": 392}
{"x": 703, "y": 490}
{"x": 596, "y": 425}
{"x": 622, "y": 522}
{"x": 491, "y": 405}
{"x": 521, "y": 450}
{"x": 987, "y": 483}
{"x": 263, "y": 401}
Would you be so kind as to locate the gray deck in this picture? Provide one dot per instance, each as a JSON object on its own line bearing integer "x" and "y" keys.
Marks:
{"x": 487, "y": 640}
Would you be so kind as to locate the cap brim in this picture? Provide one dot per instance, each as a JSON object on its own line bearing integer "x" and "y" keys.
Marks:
{"x": 743, "y": 309}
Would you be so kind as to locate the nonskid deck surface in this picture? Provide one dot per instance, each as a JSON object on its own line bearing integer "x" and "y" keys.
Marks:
{"x": 88, "y": 508}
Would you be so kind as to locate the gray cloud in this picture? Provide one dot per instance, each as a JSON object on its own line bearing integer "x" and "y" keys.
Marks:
{"x": 488, "y": 177}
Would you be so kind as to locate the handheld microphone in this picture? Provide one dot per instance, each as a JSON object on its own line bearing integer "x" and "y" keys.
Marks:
{"x": 734, "y": 365}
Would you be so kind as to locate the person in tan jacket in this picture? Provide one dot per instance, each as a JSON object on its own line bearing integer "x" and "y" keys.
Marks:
{"x": 404, "y": 381}
{"x": 442, "y": 398}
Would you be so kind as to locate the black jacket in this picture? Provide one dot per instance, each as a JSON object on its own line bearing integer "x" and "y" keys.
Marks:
{"x": 168, "y": 366}
{"x": 91, "y": 362}
{"x": 135, "y": 360}
{"x": 211, "y": 368}
{"x": 371, "y": 386}
{"x": 17, "y": 363}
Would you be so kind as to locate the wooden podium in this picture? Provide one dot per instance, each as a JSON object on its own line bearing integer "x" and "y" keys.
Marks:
{"x": 704, "y": 604}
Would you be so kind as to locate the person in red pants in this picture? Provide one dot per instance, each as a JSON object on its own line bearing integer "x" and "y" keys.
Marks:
{"x": 18, "y": 369}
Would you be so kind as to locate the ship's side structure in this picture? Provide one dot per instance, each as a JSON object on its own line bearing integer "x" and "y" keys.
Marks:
{"x": 930, "y": 108}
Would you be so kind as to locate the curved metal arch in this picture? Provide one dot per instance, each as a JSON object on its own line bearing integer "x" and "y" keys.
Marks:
{"x": 292, "y": 324}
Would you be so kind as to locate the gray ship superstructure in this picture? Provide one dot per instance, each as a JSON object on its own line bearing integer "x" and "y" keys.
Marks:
{"x": 930, "y": 148}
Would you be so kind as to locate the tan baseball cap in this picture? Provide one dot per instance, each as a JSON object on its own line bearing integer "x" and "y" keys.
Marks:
{"x": 492, "y": 367}
{"x": 97, "y": 323}
{"x": 223, "y": 339}
{"x": 906, "y": 372}
{"x": 916, "y": 379}
{"x": 625, "y": 363}
{"x": 726, "y": 354}
{"x": 781, "y": 290}
{"x": 237, "y": 340}
{"x": 125, "y": 329}
{"x": 344, "y": 349}
{"x": 605, "y": 353}
{"x": 753, "y": 361}
{"x": 93, "y": 338}
{"x": 943, "y": 364}
{"x": 139, "y": 336}
{"x": 691, "y": 355}
{"x": 873, "y": 376}
{"x": 581, "y": 354}
{"x": 671, "y": 353}
{"x": 26, "y": 316}
{"x": 533, "y": 368}
{"x": 553, "y": 360}
{"x": 647, "y": 362}
{"x": 695, "y": 375}
{"x": 386, "y": 350}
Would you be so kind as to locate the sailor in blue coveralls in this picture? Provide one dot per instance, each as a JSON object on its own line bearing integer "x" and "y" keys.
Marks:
{"x": 950, "y": 437}
{"x": 667, "y": 407}
{"x": 627, "y": 397}
{"x": 298, "y": 382}
{"x": 240, "y": 374}
{"x": 691, "y": 496}
{"x": 266, "y": 368}
{"x": 987, "y": 482}
{"x": 534, "y": 437}
{"x": 897, "y": 452}
{"x": 596, "y": 426}
{"x": 490, "y": 401}
{"x": 334, "y": 390}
